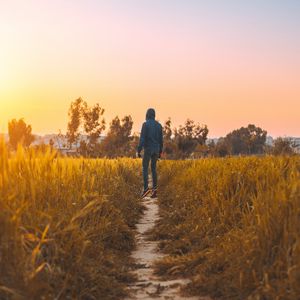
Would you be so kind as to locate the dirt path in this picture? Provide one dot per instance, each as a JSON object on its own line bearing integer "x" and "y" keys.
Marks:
{"x": 149, "y": 286}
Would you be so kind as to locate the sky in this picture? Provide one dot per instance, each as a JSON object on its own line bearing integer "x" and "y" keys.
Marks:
{"x": 221, "y": 63}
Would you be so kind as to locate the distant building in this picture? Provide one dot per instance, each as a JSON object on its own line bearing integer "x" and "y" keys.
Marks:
{"x": 210, "y": 140}
{"x": 269, "y": 140}
{"x": 296, "y": 141}
{"x": 60, "y": 142}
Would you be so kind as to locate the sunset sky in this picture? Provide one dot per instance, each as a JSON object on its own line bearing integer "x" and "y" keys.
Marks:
{"x": 222, "y": 63}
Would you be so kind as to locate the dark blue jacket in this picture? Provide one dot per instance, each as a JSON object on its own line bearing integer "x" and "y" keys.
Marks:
{"x": 151, "y": 138}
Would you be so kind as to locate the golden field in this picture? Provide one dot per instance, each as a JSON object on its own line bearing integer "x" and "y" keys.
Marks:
{"x": 233, "y": 226}
{"x": 66, "y": 225}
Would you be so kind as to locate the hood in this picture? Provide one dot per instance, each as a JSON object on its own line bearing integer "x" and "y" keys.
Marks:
{"x": 150, "y": 114}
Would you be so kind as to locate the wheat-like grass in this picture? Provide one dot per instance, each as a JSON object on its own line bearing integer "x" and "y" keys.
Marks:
{"x": 66, "y": 225}
{"x": 233, "y": 225}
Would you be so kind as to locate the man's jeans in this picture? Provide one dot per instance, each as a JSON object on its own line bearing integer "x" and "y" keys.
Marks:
{"x": 146, "y": 159}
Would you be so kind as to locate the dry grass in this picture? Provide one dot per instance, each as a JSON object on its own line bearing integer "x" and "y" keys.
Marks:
{"x": 233, "y": 225}
{"x": 66, "y": 225}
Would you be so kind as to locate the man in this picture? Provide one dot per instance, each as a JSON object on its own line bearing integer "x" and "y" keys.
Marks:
{"x": 151, "y": 140}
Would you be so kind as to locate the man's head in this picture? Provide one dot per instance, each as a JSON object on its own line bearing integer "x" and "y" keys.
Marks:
{"x": 150, "y": 114}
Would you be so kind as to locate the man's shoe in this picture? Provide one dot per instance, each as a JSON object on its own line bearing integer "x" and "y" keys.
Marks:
{"x": 145, "y": 193}
{"x": 154, "y": 194}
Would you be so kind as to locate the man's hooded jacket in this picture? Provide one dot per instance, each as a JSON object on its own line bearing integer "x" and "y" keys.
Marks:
{"x": 151, "y": 138}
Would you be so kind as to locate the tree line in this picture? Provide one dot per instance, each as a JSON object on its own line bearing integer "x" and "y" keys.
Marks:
{"x": 187, "y": 141}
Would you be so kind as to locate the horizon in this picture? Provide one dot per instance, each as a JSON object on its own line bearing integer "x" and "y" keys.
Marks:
{"x": 134, "y": 132}
{"x": 225, "y": 65}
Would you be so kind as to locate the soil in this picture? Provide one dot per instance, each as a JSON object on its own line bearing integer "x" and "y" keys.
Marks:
{"x": 148, "y": 285}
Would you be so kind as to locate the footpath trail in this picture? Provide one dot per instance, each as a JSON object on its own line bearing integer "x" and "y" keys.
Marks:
{"x": 148, "y": 285}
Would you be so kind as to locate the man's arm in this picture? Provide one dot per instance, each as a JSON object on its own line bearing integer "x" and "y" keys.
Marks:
{"x": 142, "y": 139}
{"x": 161, "y": 140}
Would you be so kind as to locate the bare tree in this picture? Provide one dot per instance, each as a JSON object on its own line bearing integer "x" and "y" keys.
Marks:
{"x": 74, "y": 113}
{"x": 94, "y": 124}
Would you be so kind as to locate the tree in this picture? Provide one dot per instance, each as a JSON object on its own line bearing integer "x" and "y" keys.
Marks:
{"x": 246, "y": 140}
{"x": 94, "y": 124}
{"x": 133, "y": 145}
{"x": 170, "y": 148}
{"x": 51, "y": 143}
{"x": 257, "y": 139}
{"x": 19, "y": 133}
{"x": 201, "y": 150}
{"x": 167, "y": 130}
{"x": 118, "y": 139}
{"x": 91, "y": 121}
{"x": 75, "y": 113}
{"x": 283, "y": 146}
{"x": 125, "y": 135}
{"x": 189, "y": 136}
{"x": 221, "y": 148}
